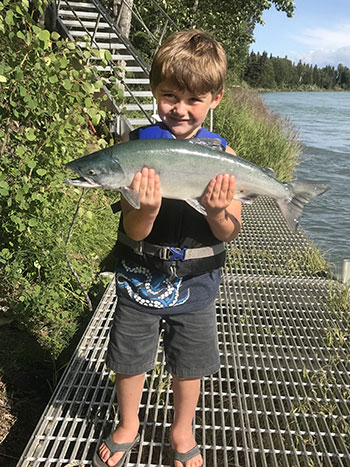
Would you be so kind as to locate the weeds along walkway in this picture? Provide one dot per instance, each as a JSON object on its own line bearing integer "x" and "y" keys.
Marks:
{"x": 282, "y": 395}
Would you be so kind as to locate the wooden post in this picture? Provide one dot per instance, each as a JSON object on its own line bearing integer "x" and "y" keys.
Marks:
{"x": 346, "y": 271}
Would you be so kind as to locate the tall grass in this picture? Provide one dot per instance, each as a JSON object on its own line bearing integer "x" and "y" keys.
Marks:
{"x": 257, "y": 134}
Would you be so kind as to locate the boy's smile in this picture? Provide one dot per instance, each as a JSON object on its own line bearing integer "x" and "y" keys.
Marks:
{"x": 183, "y": 112}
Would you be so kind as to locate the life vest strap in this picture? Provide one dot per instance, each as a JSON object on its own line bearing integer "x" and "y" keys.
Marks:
{"x": 170, "y": 253}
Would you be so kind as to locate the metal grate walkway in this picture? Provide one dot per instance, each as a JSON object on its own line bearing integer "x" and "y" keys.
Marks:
{"x": 281, "y": 397}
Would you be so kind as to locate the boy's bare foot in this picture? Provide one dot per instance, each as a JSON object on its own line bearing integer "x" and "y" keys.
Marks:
{"x": 183, "y": 442}
{"x": 121, "y": 435}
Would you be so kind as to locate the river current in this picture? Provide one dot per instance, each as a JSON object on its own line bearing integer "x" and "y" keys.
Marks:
{"x": 323, "y": 121}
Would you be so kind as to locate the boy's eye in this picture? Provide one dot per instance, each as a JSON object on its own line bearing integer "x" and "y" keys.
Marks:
{"x": 196, "y": 99}
{"x": 168, "y": 95}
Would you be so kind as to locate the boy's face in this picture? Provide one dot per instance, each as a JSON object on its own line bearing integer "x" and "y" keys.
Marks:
{"x": 182, "y": 111}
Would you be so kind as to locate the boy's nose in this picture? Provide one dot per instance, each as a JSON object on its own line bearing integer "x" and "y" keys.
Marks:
{"x": 180, "y": 108}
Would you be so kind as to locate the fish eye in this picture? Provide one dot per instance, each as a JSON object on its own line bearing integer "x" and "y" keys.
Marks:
{"x": 91, "y": 172}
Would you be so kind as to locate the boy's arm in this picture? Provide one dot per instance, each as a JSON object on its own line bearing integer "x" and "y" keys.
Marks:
{"x": 225, "y": 222}
{"x": 138, "y": 223}
{"x": 223, "y": 212}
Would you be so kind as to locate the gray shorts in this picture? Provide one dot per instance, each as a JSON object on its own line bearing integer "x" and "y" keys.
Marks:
{"x": 190, "y": 342}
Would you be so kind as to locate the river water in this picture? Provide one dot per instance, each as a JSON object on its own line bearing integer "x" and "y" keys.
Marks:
{"x": 323, "y": 120}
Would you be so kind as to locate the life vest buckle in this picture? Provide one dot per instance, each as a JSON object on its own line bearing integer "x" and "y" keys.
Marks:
{"x": 172, "y": 253}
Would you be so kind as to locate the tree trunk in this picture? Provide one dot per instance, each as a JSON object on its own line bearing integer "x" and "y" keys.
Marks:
{"x": 122, "y": 11}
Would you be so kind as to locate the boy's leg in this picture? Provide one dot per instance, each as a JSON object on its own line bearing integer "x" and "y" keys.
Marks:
{"x": 191, "y": 347}
{"x": 129, "y": 391}
{"x": 186, "y": 393}
{"x": 131, "y": 352}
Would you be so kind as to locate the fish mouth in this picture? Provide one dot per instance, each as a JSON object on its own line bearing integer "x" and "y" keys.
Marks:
{"x": 81, "y": 182}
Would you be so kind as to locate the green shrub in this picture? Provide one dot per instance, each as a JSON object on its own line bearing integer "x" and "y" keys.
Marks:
{"x": 257, "y": 134}
{"x": 51, "y": 104}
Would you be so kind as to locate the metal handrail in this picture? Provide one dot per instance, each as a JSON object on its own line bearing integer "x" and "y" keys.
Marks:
{"x": 116, "y": 108}
{"x": 104, "y": 14}
{"x": 167, "y": 18}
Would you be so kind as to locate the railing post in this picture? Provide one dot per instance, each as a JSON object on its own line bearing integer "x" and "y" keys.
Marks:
{"x": 346, "y": 271}
{"x": 50, "y": 16}
{"x": 162, "y": 34}
{"x": 96, "y": 27}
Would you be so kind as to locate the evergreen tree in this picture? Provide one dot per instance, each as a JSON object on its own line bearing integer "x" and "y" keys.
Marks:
{"x": 281, "y": 73}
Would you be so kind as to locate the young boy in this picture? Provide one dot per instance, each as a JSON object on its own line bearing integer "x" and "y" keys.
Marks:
{"x": 156, "y": 283}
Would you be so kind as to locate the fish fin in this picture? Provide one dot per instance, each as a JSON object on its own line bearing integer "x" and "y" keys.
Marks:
{"x": 303, "y": 193}
{"x": 246, "y": 199}
{"x": 195, "y": 204}
{"x": 213, "y": 143}
{"x": 131, "y": 196}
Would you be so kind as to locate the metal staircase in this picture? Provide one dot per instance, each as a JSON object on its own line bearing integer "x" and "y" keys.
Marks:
{"x": 88, "y": 22}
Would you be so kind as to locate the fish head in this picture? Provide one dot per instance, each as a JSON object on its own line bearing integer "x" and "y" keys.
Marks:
{"x": 97, "y": 170}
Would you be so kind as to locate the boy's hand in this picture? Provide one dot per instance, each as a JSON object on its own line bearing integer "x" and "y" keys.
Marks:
{"x": 219, "y": 194}
{"x": 138, "y": 223}
{"x": 224, "y": 213}
{"x": 147, "y": 184}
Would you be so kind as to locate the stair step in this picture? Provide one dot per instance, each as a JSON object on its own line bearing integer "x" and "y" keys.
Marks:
{"x": 130, "y": 107}
{"x": 108, "y": 46}
{"x": 133, "y": 69}
{"x": 73, "y": 23}
{"x": 98, "y": 35}
{"x": 109, "y": 69}
{"x": 80, "y": 14}
{"x": 121, "y": 58}
{"x": 138, "y": 94}
{"x": 139, "y": 121}
{"x": 136, "y": 80}
{"x": 75, "y": 5}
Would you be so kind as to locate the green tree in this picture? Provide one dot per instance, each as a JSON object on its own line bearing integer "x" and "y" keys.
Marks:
{"x": 232, "y": 23}
{"x": 267, "y": 75}
{"x": 316, "y": 76}
{"x": 252, "y": 69}
{"x": 327, "y": 77}
{"x": 343, "y": 76}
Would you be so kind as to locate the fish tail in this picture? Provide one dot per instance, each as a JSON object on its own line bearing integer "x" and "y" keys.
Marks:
{"x": 303, "y": 193}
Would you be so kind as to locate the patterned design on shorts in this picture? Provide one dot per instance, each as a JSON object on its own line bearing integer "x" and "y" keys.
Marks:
{"x": 150, "y": 288}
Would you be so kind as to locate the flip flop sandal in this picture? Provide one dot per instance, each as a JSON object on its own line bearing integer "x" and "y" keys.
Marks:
{"x": 114, "y": 447}
{"x": 183, "y": 457}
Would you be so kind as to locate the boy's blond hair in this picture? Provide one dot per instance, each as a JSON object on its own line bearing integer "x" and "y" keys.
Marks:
{"x": 193, "y": 61}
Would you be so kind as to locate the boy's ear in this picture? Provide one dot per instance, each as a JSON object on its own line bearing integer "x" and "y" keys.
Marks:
{"x": 216, "y": 100}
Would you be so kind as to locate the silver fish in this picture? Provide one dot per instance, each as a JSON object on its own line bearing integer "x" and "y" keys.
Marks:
{"x": 185, "y": 168}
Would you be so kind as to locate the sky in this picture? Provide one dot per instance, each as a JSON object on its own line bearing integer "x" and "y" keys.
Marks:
{"x": 318, "y": 33}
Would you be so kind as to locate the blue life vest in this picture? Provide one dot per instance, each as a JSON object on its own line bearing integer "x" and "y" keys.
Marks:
{"x": 160, "y": 131}
{"x": 177, "y": 225}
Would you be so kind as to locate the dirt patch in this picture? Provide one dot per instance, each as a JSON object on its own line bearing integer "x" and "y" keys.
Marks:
{"x": 6, "y": 416}
{"x": 25, "y": 378}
